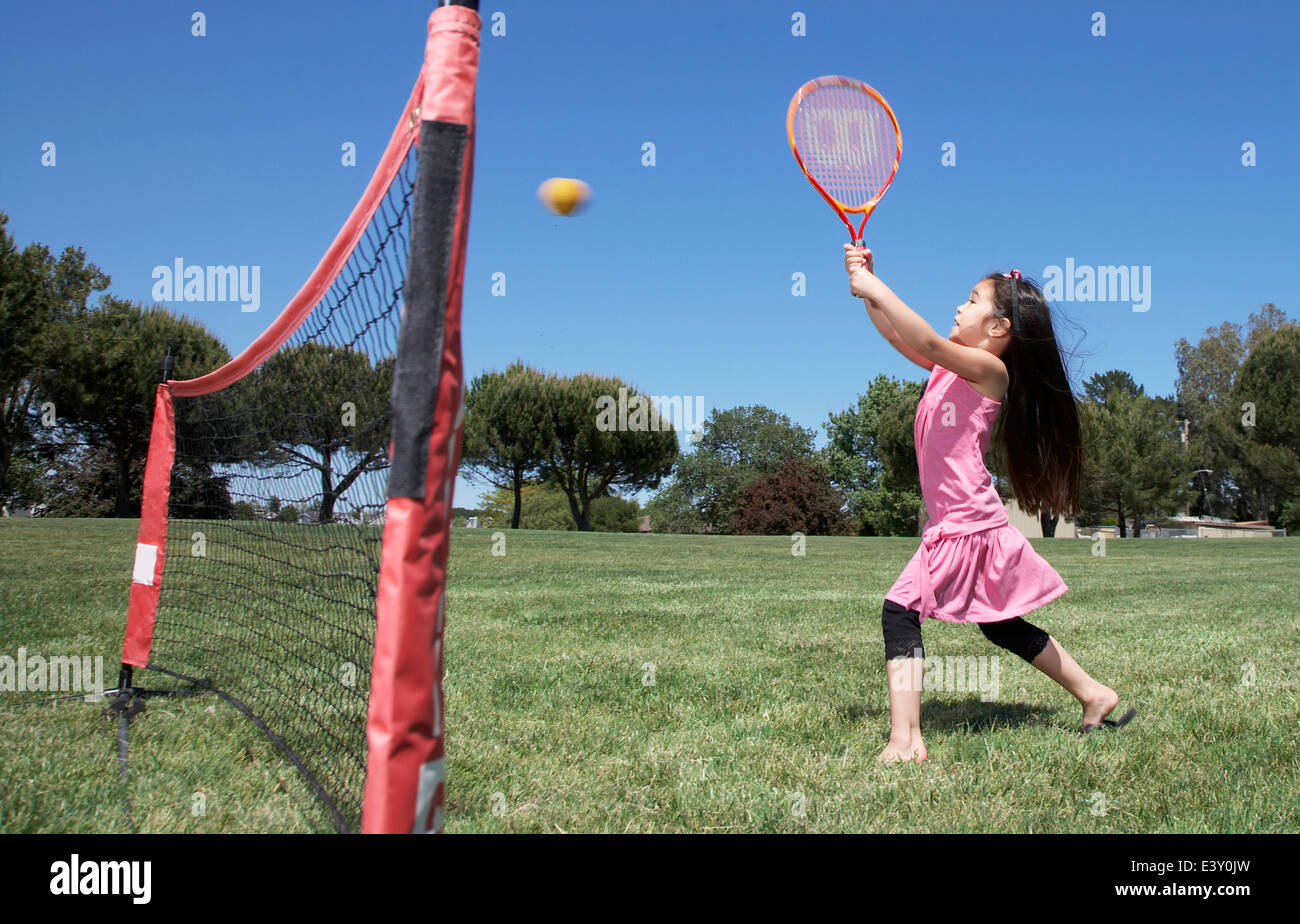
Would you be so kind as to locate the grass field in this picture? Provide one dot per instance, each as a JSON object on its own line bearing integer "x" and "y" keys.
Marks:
{"x": 763, "y": 710}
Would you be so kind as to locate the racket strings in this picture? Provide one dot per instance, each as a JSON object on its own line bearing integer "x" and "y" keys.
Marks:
{"x": 848, "y": 143}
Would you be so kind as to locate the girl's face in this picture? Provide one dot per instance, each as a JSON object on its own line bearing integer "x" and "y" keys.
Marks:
{"x": 974, "y": 323}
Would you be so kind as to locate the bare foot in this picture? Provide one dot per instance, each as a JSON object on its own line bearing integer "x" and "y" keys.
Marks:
{"x": 911, "y": 749}
{"x": 1101, "y": 702}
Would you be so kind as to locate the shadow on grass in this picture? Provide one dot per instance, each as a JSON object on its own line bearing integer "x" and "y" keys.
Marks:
{"x": 965, "y": 715}
{"x": 974, "y": 715}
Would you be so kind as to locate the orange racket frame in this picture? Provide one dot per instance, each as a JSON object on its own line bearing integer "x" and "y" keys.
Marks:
{"x": 841, "y": 208}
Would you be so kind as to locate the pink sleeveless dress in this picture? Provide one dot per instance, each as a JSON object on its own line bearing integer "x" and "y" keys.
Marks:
{"x": 972, "y": 565}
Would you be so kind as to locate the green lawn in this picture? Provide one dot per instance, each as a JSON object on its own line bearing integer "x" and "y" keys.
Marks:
{"x": 764, "y": 710}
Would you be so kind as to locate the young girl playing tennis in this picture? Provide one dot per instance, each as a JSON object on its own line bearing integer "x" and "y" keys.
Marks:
{"x": 973, "y": 566}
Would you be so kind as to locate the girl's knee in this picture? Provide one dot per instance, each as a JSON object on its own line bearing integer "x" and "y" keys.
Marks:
{"x": 902, "y": 630}
{"x": 1017, "y": 636}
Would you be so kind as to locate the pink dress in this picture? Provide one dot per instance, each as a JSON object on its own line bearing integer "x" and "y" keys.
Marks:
{"x": 972, "y": 565}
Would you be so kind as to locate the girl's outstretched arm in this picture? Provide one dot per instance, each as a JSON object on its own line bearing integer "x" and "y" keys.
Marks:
{"x": 909, "y": 325}
{"x": 971, "y": 363}
{"x": 881, "y": 321}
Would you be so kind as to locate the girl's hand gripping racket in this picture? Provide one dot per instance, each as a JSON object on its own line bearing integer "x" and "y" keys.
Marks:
{"x": 846, "y": 140}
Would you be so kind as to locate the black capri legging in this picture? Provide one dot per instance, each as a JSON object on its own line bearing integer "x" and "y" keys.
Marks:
{"x": 902, "y": 629}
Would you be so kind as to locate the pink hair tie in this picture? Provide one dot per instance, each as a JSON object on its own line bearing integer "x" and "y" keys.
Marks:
{"x": 1014, "y": 276}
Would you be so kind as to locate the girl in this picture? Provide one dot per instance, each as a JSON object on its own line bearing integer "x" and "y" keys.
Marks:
{"x": 973, "y": 566}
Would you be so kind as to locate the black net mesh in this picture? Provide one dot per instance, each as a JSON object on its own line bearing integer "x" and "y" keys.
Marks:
{"x": 276, "y": 520}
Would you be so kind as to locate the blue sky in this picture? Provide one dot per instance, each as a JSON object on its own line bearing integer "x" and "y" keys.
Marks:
{"x": 1122, "y": 149}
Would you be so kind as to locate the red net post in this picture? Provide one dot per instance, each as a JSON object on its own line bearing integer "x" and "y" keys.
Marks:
{"x": 405, "y": 769}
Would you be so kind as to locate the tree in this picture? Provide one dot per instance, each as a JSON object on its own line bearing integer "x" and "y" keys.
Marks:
{"x": 1241, "y": 472}
{"x": 1266, "y": 397}
{"x": 197, "y": 492}
{"x": 1265, "y": 322}
{"x": 546, "y": 506}
{"x": 1134, "y": 441}
{"x": 798, "y": 497}
{"x": 37, "y": 293}
{"x": 736, "y": 446}
{"x": 591, "y": 451}
{"x": 1101, "y": 386}
{"x": 29, "y": 478}
{"x": 325, "y": 408}
{"x": 82, "y": 481}
{"x": 1268, "y": 475}
{"x": 1161, "y": 479}
{"x": 615, "y": 515}
{"x": 871, "y": 457}
{"x": 497, "y": 507}
{"x": 1290, "y": 518}
{"x": 1207, "y": 373}
{"x": 671, "y": 512}
{"x": 1102, "y": 482}
{"x": 104, "y": 369}
{"x": 505, "y": 440}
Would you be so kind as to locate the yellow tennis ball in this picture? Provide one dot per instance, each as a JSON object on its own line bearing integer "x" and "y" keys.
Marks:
{"x": 564, "y": 195}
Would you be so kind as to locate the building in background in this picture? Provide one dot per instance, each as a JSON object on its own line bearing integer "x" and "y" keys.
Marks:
{"x": 1032, "y": 527}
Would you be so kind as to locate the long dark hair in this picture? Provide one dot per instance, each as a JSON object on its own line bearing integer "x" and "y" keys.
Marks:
{"x": 1038, "y": 429}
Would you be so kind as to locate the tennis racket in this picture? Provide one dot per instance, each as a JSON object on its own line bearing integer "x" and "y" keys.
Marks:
{"x": 847, "y": 142}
